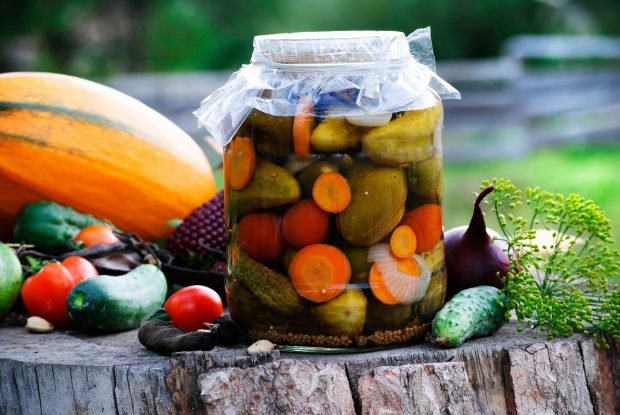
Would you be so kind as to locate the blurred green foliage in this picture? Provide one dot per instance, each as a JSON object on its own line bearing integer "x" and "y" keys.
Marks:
{"x": 97, "y": 38}
{"x": 590, "y": 170}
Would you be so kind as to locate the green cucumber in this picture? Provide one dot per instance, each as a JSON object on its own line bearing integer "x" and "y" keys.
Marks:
{"x": 111, "y": 304}
{"x": 474, "y": 312}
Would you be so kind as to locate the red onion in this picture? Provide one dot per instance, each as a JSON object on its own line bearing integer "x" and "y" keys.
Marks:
{"x": 473, "y": 257}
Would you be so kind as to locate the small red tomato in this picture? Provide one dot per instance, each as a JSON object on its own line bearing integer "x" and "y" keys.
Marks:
{"x": 192, "y": 306}
{"x": 79, "y": 268}
{"x": 96, "y": 235}
{"x": 45, "y": 293}
{"x": 260, "y": 236}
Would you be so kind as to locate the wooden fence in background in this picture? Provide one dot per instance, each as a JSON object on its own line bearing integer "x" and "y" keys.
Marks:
{"x": 544, "y": 90}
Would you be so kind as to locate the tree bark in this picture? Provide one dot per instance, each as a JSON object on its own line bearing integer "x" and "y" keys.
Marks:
{"x": 66, "y": 372}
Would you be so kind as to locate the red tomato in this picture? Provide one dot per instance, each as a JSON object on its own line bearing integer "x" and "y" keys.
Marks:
{"x": 79, "y": 268}
{"x": 96, "y": 235}
{"x": 260, "y": 236}
{"x": 192, "y": 306}
{"x": 45, "y": 293}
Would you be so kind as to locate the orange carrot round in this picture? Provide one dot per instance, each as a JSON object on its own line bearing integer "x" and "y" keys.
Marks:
{"x": 331, "y": 192}
{"x": 403, "y": 242}
{"x": 302, "y": 127}
{"x": 378, "y": 288}
{"x": 305, "y": 224}
{"x": 426, "y": 222}
{"x": 260, "y": 236}
{"x": 320, "y": 272}
{"x": 239, "y": 162}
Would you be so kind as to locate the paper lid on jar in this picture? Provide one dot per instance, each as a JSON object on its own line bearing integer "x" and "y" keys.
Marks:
{"x": 345, "y": 74}
{"x": 331, "y": 47}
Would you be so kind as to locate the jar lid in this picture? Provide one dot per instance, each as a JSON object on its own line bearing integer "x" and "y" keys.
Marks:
{"x": 331, "y": 47}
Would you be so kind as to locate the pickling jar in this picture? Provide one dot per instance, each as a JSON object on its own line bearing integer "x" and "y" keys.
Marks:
{"x": 332, "y": 174}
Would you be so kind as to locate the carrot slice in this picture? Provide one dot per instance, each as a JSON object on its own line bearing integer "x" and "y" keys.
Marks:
{"x": 403, "y": 242}
{"x": 426, "y": 222}
{"x": 302, "y": 127}
{"x": 239, "y": 162}
{"x": 408, "y": 266}
{"x": 378, "y": 288}
{"x": 320, "y": 272}
{"x": 331, "y": 192}
{"x": 305, "y": 224}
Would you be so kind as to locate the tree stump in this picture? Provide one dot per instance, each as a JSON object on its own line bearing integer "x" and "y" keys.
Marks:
{"x": 66, "y": 372}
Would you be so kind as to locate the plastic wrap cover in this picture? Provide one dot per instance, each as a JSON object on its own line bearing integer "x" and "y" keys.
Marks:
{"x": 345, "y": 73}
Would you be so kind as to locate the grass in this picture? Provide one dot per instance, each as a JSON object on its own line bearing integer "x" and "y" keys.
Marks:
{"x": 589, "y": 170}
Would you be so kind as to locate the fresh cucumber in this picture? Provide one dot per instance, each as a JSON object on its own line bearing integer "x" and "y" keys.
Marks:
{"x": 474, "y": 312}
{"x": 111, "y": 304}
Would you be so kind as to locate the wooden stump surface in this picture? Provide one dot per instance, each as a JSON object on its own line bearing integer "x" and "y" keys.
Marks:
{"x": 66, "y": 372}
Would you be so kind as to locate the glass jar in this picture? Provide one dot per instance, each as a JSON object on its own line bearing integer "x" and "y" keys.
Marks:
{"x": 332, "y": 167}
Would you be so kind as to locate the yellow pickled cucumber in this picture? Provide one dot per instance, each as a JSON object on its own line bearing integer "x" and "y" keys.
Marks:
{"x": 334, "y": 135}
{"x": 435, "y": 295}
{"x": 273, "y": 289}
{"x": 270, "y": 186}
{"x": 434, "y": 258}
{"x": 273, "y": 136}
{"x": 344, "y": 315}
{"x": 404, "y": 140}
{"x": 378, "y": 195}
{"x": 381, "y": 316}
{"x": 424, "y": 179}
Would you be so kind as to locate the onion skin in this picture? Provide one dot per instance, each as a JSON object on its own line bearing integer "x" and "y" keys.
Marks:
{"x": 472, "y": 259}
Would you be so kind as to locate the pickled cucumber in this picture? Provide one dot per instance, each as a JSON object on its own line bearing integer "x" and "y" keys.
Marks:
{"x": 334, "y": 135}
{"x": 358, "y": 258}
{"x": 270, "y": 186}
{"x": 435, "y": 294}
{"x": 434, "y": 258}
{"x": 344, "y": 315}
{"x": 249, "y": 311}
{"x": 378, "y": 195}
{"x": 272, "y": 288}
{"x": 273, "y": 136}
{"x": 424, "y": 179}
{"x": 404, "y": 140}
{"x": 380, "y": 316}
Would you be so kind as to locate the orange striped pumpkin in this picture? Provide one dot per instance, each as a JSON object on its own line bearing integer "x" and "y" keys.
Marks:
{"x": 93, "y": 148}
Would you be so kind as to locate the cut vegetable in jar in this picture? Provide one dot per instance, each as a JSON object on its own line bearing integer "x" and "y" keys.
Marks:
{"x": 426, "y": 222}
{"x": 378, "y": 288}
{"x": 320, "y": 272}
{"x": 305, "y": 224}
{"x": 302, "y": 127}
{"x": 96, "y": 235}
{"x": 260, "y": 236}
{"x": 345, "y": 315}
{"x": 331, "y": 192}
{"x": 405, "y": 279}
{"x": 239, "y": 162}
{"x": 308, "y": 176}
{"x": 403, "y": 242}
{"x": 334, "y": 135}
